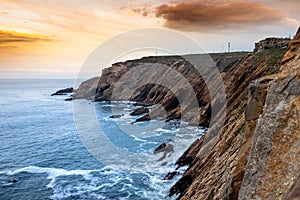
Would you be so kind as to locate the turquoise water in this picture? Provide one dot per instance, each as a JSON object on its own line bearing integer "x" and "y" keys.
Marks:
{"x": 41, "y": 149}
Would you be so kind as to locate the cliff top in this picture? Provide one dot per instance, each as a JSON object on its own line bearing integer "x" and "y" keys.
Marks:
{"x": 272, "y": 42}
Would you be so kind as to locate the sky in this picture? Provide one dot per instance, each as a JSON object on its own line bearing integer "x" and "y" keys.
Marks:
{"x": 52, "y": 38}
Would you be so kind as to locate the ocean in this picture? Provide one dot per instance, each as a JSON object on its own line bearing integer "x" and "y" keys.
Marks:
{"x": 42, "y": 155}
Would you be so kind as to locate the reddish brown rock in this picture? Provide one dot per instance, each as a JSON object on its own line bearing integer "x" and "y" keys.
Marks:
{"x": 139, "y": 111}
{"x": 274, "y": 162}
{"x": 218, "y": 171}
{"x": 255, "y": 156}
{"x": 151, "y": 94}
{"x": 270, "y": 43}
{"x": 87, "y": 89}
{"x": 294, "y": 191}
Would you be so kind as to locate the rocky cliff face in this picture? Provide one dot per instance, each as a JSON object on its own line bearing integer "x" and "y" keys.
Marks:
{"x": 149, "y": 94}
{"x": 270, "y": 43}
{"x": 273, "y": 163}
{"x": 255, "y": 156}
{"x": 87, "y": 89}
{"x": 257, "y": 153}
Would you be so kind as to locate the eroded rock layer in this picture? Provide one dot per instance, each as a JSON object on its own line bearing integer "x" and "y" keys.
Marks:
{"x": 167, "y": 96}
{"x": 257, "y": 155}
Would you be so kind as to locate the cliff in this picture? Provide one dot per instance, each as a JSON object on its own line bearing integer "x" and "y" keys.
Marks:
{"x": 271, "y": 43}
{"x": 257, "y": 153}
{"x": 149, "y": 94}
{"x": 87, "y": 89}
{"x": 255, "y": 156}
{"x": 273, "y": 162}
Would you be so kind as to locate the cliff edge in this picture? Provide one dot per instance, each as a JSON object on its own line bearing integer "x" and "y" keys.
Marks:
{"x": 102, "y": 89}
{"x": 256, "y": 155}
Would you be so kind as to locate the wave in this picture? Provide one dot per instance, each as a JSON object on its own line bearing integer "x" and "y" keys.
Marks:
{"x": 105, "y": 184}
{"x": 90, "y": 185}
{"x": 53, "y": 173}
{"x": 165, "y": 130}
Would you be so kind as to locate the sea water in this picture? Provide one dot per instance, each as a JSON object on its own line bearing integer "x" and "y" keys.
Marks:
{"x": 42, "y": 151}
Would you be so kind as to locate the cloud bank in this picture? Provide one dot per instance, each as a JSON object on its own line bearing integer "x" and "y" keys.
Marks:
{"x": 217, "y": 14}
{"x": 8, "y": 36}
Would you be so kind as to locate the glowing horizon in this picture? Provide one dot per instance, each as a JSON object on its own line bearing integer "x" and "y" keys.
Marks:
{"x": 53, "y": 39}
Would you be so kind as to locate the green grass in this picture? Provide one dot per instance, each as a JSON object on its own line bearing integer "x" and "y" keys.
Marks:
{"x": 271, "y": 57}
{"x": 211, "y": 196}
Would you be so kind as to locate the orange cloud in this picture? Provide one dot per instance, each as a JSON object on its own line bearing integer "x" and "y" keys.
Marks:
{"x": 20, "y": 47}
{"x": 143, "y": 10}
{"x": 197, "y": 15}
{"x": 10, "y": 36}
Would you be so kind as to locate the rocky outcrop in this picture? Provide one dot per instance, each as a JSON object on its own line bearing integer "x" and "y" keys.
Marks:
{"x": 116, "y": 116}
{"x": 273, "y": 163}
{"x": 87, "y": 89}
{"x": 271, "y": 43}
{"x": 139, "y": 111}
{"x": 257, "y": 152}
{"x": 154, "y": 94}
{"x": 165, "y": 149}
{"x": 143, "y": 118}
{"x": 257, "y": 148}
{"x": 63, "y": 91}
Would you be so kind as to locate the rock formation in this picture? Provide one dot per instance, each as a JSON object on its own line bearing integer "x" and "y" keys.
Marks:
{"x": 63, "y": 91}
{"x": 274, "y": 162}
{"x": 150, "y": 94}
{"x": 87, "y": 89}
{"x": 257, "y": 153}
{"x": 271, "y": 43}
{"x": 139, "y": 111}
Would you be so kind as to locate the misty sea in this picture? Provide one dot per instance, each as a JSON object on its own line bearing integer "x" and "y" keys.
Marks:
{"x": 42, "y": 155}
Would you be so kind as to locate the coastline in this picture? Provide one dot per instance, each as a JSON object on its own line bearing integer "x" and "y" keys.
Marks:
{"x": 238, "y": 73}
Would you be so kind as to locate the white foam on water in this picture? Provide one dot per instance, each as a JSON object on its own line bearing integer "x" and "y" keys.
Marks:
{"x": 53, "y": 173}
{"x": 107, "y": 179}
{"x": 107, "y": 119}
{"x": 126, "y": 116}
{"x": 95, "y": 185}
{"x": 137, "y": 138}
{"x": 108, "y": 171}
{"x": 166, "y": 130}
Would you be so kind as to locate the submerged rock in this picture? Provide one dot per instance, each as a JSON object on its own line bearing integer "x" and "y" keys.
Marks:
{"x": 116, "y": 116}
{"x": 69, "y": 99}
{"x": 166, "y": 149}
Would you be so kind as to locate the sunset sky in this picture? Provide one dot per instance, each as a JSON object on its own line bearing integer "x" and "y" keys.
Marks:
{"x": 52, "y": 39}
